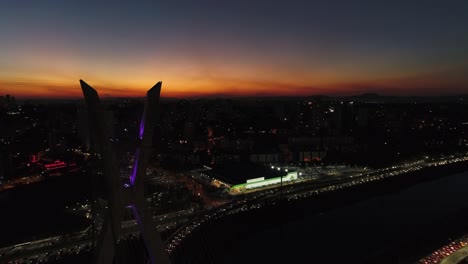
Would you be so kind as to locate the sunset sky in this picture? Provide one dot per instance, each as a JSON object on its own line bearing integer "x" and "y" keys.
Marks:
{"x": 240, "y": 48}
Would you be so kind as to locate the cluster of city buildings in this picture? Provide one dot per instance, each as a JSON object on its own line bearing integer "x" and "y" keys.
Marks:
{"x": 366, "y": 130}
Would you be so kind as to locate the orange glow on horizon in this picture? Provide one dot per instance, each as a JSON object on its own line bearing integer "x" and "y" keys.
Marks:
{"x": 192, "y": 80}
{"x": 71, "y": 89}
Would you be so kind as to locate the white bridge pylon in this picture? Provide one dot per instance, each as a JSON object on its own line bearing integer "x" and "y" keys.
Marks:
{"x": 121, "y": 197}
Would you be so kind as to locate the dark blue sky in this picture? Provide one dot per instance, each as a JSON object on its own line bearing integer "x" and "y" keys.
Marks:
{"x": 232, "y": 47}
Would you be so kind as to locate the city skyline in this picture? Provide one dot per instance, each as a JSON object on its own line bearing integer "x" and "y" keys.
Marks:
{"x": 234, "y": 49}
{"x": 284, "y": 130}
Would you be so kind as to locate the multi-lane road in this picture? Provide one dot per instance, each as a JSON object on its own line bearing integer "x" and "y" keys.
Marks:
{"x": 456, "y": 257}
{"x": 74, "y": 243}
{"x": 453, "y": 253}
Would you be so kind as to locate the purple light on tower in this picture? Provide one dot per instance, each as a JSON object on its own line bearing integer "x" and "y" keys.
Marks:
{"x": 135, "y": 213}
{"x": 137, "y": 153}
{"x": 142, "y": 127}
{"x": 135, "y": 167}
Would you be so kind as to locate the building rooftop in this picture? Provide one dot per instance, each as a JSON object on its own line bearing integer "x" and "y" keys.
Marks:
{"x": 239, "y": 172}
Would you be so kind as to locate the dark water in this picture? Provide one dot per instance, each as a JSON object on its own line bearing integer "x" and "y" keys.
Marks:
{"x": 37, "y": 210}
{"x": 389, "y": 223}
{"x": 363, "y": 231}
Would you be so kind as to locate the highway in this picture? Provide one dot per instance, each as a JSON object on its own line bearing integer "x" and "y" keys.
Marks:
{"x": 456, "y": 257}
{"x": 454, "y": 252}
{"x": 44, "y": 248}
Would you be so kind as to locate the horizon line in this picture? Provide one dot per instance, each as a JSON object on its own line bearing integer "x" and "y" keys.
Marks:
{"x": 221, "y": 96}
